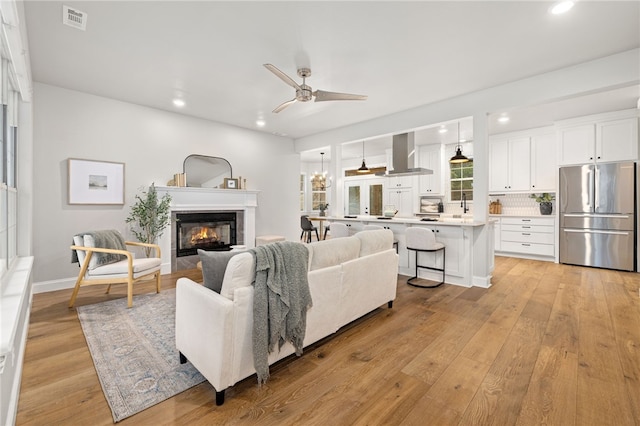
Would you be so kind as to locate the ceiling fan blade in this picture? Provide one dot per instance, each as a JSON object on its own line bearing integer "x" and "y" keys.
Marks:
{"x": 335, "y": 96}
{"x": 283, "y": 105}
{"x": 282, "y": 76}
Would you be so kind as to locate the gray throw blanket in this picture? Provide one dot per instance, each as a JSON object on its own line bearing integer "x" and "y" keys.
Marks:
{"x": 109, "y": 239}
{"x": 280, "y": 302}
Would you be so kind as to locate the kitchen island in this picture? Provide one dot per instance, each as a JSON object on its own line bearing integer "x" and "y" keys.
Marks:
{"x": 456, "y": 233}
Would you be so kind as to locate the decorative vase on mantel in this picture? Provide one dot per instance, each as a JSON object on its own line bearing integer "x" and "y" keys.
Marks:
{"x": 546, "y": 208}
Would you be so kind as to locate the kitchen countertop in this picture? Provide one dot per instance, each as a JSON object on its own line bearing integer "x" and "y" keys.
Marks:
{"x": 408, "y": 221}
{"x": 523, "y": 215}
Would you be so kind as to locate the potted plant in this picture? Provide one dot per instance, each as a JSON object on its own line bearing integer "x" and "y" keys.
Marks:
{"x": 323, "y": 207}
{"x": 149, "y": 216}
{"x": 545, "y": 200}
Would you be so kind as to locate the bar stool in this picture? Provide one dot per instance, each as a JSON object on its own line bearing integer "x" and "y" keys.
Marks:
{"x": 423, "y": 239}
{"x": 374, "y": 227}
{"x": 339, "y": 230}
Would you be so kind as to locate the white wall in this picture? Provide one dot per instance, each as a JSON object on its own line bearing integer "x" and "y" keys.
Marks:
{"x": 152, "y": 144}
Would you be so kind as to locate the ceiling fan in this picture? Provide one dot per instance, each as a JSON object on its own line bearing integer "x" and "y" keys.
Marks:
{"x": 304, "y": 93}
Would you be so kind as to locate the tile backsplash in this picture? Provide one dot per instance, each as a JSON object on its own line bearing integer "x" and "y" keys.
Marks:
{"x": 518, "y": 204}
{"x": 512, "y": 204}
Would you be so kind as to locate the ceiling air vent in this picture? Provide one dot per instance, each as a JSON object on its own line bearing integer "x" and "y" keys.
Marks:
{"x": 74, "y": 18}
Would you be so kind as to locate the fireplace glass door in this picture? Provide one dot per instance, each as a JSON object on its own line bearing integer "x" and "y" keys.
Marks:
{"x": 206, "y": 231}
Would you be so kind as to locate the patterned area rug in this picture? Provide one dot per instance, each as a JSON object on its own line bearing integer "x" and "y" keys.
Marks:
{"x": 134, "y": 351}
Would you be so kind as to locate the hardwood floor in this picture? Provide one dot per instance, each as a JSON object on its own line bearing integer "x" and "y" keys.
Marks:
{"x": 546, "y": 344}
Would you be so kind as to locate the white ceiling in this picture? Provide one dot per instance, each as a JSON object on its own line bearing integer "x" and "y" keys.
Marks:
{"x": 400, "y": 54}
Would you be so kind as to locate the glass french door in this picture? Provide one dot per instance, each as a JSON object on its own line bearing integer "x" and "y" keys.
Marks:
{"x": 364, "y": 197}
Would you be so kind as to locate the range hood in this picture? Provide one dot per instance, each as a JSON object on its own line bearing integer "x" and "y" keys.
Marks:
{"x": 403, "y": 156}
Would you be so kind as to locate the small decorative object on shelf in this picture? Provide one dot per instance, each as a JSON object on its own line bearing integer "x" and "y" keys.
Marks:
{"x": 495, "y": 207}
{"x": 231, "y": 183}
{"x": 545, "y": 201}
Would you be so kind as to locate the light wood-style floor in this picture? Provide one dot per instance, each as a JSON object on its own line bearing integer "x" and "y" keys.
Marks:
{"x": 546, "y": 344}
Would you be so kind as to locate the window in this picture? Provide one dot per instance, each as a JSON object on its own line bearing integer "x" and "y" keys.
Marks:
{"x": 8, "y": 161}
{"x": 318, "y": 194}
{"x": 461, "y": 180}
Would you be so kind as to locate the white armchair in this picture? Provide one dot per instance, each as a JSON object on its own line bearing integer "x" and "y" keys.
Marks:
{"x": 121, "y": 266}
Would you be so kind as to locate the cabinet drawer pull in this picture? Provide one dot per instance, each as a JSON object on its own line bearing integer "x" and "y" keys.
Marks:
{"x": 526, "y": 227}
{"x": 526, "y": 245}
{"x": 526, "y": 233}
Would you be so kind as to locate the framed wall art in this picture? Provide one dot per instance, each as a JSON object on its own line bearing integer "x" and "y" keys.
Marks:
{"x": 231, "y": 183}
{"x": 95, "y": 182}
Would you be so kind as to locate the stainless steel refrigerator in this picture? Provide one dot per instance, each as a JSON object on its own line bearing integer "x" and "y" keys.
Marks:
{"x": 597, "y": 206}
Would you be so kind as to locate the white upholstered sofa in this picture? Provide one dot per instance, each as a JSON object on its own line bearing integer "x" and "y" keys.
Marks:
{"x": 348, "y": 277}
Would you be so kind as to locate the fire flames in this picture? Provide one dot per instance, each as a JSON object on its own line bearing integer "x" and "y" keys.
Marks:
{"x": 203, "y": 235}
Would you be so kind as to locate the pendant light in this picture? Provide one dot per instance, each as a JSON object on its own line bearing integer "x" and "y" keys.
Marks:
{"x": 459, "y": 157}
{"x": 321, "y": 178}
{"x": 363, "y": 168}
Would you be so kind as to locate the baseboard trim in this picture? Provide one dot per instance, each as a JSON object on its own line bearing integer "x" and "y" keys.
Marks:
{"x": 54, "y": 285}
{"x": 483, "y": 282}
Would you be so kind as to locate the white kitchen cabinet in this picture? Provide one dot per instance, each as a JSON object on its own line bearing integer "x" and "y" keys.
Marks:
{"x": 399, "y": 232}
{"x": 402, "y": 199}
{"x": 576, "y": 144}
{"x": 430, "y": 157}
{"x": 617, "y": 140}
{"x": 528, "y": 236}
{"x": 496, "y": 235}
{"x": 456, "y": 258}
{"x": 453, "y": 239}
{"x": 544, "y": 164}
{"x": 604, "y": 139}
{"x": 510, "y": 164}
{"x": 400, "y": 182}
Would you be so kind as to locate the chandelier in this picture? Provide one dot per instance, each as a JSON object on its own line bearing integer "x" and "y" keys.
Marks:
{"x": 320, "y": 180}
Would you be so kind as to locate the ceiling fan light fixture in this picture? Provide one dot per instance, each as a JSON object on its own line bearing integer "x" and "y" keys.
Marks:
{"x": 305, "y": 93}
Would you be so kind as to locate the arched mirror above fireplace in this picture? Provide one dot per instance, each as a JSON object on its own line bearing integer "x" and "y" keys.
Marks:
{"x": 203, "y": 171}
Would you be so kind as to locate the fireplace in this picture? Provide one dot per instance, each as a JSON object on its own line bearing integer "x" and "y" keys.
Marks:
{"x": 190, "y": 200}
{"x": 204, "y": 230}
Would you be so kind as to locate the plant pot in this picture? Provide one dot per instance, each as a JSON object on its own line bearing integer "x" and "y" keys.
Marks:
{"x": 323, "y": 213}
{"x": 546, "y": 208}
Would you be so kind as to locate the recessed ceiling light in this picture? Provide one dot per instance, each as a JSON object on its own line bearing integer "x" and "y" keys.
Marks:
{"x": 443, "y": 129}
{"x": 178, "y": 102}
{"x": 260, "y": 122}
{"x": 503, "y": 119}
{"x": 561, "y": 7}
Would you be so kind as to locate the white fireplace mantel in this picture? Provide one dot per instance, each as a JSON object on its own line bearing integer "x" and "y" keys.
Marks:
{"x": 194, "y": 199}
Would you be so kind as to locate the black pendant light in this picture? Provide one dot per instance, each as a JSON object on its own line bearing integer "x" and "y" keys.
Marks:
{"x": 363, "y": 168}
{"x": 459, "y": 157}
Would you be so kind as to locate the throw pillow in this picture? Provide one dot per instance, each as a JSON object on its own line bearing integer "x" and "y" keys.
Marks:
{"x": 214, "y": 264}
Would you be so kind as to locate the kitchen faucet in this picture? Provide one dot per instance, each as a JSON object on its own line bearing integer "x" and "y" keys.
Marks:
{"x": 463, "y": 203}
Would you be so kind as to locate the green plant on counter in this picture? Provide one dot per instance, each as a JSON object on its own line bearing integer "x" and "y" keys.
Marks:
{"x": 545, "y": 197}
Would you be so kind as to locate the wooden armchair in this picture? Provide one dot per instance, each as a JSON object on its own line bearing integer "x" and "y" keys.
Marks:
{"x": 126, "y": 271}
